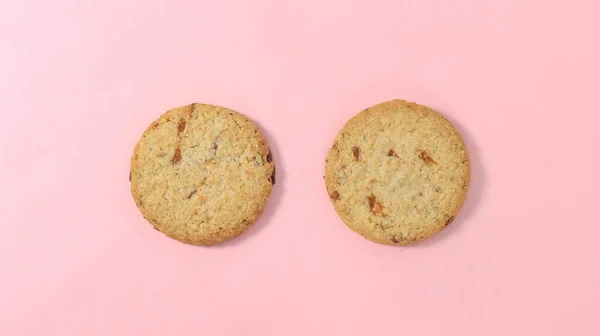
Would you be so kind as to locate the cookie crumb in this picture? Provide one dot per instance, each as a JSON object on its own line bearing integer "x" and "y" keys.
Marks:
{"x": 392, "y": 153}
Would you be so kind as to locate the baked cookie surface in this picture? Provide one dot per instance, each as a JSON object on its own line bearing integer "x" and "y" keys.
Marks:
{"x": 202, "y": 174}
{"x": 397, "y": 173}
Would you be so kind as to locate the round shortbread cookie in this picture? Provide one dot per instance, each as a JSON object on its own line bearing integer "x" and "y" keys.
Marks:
{"x": 397, "y": 173}
{"x": 202, "y": 174}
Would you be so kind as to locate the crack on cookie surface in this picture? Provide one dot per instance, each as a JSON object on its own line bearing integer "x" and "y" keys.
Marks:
{"x": 191, "y": 109}
{"x": 235, "y": 121}
{"x": 383, "y": 227}
{"x": 181, "y": 126}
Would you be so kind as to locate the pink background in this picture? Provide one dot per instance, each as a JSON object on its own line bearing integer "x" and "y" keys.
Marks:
{"x": 80, "y": 80}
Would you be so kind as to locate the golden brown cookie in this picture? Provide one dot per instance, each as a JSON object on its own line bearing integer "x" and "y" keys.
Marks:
{"x": 202, "y": 174}
{"x": 397, "y": 173}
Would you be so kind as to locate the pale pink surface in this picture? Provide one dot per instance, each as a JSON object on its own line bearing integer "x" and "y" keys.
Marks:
{"x": 80, "y": 80}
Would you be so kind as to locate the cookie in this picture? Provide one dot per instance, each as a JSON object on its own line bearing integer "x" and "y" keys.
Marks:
{"x": 397, "y": 173}
{"x": 202, "y": 174}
